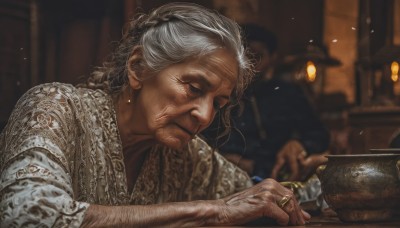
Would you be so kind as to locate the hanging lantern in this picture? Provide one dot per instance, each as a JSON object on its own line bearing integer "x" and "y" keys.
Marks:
{"x": 311, "y": 71}
{"x": 394, "y": 68}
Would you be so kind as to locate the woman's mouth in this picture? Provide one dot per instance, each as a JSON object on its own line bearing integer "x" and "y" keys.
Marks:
{"x": 189, "y": 132}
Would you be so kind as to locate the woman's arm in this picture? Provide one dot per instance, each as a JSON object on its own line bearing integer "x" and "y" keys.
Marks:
{"x": 35, "y": 147}
{"x": 36, "y": 191}
{"x": 242, "y": 207}
{"x": 183, "y": 214}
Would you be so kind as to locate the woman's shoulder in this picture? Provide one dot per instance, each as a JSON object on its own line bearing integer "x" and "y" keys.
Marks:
{"x": 57, "y": 88}
{"x": 61, "y": 92}
{"x": 48, "y": 91}
{"x": 52, "y": 87}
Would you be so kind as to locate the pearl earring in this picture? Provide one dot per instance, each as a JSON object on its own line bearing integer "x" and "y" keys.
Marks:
{"x": 129, "y": 101}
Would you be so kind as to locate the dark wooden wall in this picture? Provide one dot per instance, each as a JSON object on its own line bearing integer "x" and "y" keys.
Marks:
{"x": 15, "y": 54}
{"x": 294, "y": 22}
{"x": 47, "y": 40}
{"x": 76, "y": 35}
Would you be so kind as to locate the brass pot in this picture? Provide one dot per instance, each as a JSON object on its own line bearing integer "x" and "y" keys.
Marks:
{"x": 361, "y": 187}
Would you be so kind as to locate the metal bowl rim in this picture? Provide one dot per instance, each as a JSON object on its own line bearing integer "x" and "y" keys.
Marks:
{"x": 385, "y": 150}
{"x": 361, "y": 155}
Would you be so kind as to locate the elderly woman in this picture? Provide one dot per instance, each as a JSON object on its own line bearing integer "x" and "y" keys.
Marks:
{"x": 124, "y": 151}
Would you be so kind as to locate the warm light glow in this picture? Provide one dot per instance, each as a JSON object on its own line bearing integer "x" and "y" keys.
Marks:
{"x": 394, "y": 67}
{"x": 311, "y": 71}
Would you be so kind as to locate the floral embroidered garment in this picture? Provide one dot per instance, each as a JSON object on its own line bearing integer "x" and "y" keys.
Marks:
{"x": 61, "y": 152}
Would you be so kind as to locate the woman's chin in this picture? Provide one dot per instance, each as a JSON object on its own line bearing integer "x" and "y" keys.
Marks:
{"x": 176, "y": 143}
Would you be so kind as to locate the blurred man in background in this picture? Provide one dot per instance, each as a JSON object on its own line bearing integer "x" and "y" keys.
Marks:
{"x": 276, "y": 133}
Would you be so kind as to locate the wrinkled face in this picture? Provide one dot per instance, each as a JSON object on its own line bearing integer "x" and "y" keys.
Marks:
{"x": 182, "y": 100}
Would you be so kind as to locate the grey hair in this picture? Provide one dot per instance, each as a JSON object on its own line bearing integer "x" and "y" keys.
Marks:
{"x": 174, "y": 33}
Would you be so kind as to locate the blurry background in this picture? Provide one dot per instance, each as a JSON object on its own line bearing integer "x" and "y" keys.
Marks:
{"x": 352, "y": 48}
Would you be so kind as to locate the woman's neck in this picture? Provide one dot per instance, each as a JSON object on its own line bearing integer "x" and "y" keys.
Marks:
{"x": 134, "y": 157}
{"x": 135, "y": 145}
{"x": 128, "y": 124}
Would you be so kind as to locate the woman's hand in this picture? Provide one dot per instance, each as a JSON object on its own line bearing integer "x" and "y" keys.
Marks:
{"x": 266, "y": 199}
{"x": 291, "y": 154}
{"x": 262, "y": 200}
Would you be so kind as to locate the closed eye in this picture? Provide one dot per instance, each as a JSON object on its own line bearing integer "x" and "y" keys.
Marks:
{"x": 195, "y": 90}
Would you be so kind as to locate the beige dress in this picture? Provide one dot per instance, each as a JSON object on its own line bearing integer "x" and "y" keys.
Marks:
{"x": 61, "y": 152}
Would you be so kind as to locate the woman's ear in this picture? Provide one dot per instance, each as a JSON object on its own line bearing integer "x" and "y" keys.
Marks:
{"x": 134, "y": 68}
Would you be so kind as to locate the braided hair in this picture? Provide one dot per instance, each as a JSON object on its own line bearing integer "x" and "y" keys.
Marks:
{"x": 171, "y": 34}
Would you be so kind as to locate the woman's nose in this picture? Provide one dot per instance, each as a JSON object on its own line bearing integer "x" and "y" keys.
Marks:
{"x": 204, "y": 112}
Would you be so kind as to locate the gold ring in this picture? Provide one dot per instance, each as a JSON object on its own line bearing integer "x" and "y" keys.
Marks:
{"x": 285, "y": 199}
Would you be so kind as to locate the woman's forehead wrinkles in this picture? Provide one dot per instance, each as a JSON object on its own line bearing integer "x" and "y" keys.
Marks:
{"x": 221, "y": 66}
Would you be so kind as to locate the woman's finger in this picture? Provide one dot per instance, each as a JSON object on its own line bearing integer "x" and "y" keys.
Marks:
{"x": 275, "y": 212}
{"x": 289, "y": 204}
{"x": 306, "y": 216}
{"x": 285, "y": 201}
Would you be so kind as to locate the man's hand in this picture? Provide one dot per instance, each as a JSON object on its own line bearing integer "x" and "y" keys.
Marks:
{"x": 311, "y": 163}
{"x": 293, "y": 155}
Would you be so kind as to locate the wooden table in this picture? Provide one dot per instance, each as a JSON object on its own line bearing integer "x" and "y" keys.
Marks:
{"x": 332, "y": 222}
{"x": 335, "y": 222}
